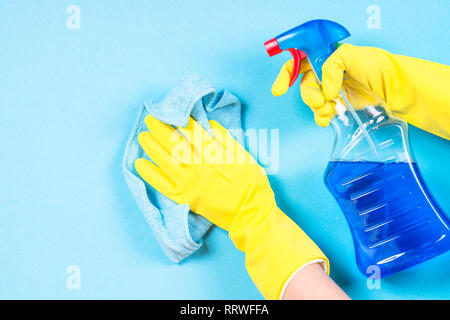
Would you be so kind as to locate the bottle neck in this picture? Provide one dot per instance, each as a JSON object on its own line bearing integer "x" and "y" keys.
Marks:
{"x": 388, "y": 136}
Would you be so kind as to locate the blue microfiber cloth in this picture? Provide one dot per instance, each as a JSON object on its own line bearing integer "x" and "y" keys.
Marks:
{"x": 178, "y": 230}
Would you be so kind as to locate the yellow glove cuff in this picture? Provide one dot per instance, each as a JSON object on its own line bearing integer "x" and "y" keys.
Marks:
{"x": 275, "y": 249}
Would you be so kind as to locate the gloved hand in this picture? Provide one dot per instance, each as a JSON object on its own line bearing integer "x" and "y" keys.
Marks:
{"x": 221, "y": 181}
{"x": 414, "y": 89}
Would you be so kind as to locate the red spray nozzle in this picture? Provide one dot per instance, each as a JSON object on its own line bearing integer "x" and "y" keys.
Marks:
{"x": 273, "y": 49}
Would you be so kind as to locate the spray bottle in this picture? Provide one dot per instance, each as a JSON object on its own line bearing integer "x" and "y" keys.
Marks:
{"x": 394, "y": 220}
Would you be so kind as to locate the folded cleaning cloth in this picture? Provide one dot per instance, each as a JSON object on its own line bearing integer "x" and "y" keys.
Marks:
{"x": 178, "y": 230}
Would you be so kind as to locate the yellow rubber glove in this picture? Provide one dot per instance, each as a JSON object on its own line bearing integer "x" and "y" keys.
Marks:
{"x": 222, "y": 182}
{"x": 417, "y": 90}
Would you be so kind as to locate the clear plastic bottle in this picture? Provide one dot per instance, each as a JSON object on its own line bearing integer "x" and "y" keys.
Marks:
{"x": 394, "y": 220}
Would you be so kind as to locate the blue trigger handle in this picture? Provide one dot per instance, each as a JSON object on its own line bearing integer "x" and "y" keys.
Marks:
{"x": 316, "y": 38}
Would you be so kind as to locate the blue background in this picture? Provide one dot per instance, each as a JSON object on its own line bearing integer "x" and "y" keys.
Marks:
{"x": 68, "y": 99}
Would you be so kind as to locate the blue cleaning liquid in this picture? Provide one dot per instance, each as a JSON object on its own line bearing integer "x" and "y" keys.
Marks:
{"x": 395, "y": 222}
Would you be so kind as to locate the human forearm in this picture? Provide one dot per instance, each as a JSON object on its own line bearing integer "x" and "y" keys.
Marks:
{"x": 312, "y": 283}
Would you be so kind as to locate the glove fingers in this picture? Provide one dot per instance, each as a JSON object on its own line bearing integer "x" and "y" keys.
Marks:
{"x": 312, "y": 95}
{"x": 311, "y": 92}
{"x": 333, "y": 72}
{"x": 167, "y": 136}
{"x": 322, "y": 121}
{"x": 193, "y": 127}
{"x": 281, "y": 84}
{"x": 327, "y": 110}
{"x": 195, "y": 134}
{"x": 222, "y": 136}
{"x": 235, "y": 152}
{"x": 154, "y": 176}
{"x": 168, "y": 163}
{"x": 305, "y": 66}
